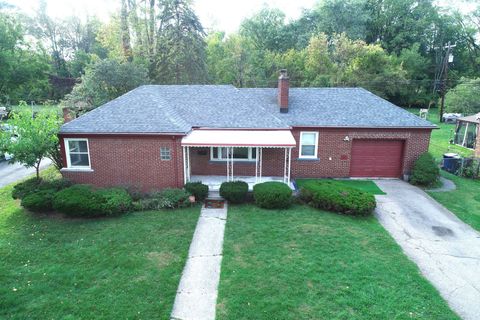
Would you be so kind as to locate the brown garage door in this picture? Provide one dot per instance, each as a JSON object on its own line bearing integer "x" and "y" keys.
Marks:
{"x": 376, "y": 158}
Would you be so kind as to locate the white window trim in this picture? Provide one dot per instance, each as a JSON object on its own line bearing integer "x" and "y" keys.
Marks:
{"x": 169, "y": 153}
{"x": 250, "y": 158}
{"x": 67, "y": 152}
{"x": 315, "y": 156}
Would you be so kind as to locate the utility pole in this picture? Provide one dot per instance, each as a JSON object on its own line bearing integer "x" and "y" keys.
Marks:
{"x": 444, "y": 73}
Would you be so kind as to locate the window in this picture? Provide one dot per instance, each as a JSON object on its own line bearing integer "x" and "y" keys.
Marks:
{"x": 165, "y": 153}
{"x": 77, "y": 153}
{"x": 308, "y": 145}
{"x": 239, "y": 154}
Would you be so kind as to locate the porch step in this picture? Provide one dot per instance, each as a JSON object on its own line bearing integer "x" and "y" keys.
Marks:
{"x": 214, "y": 201}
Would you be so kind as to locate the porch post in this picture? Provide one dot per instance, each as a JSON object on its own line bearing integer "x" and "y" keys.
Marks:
{"x": 261, "y": 160}
{"x": 184, "y": 165}
{"x": 285, "y": 168}
{"x": 189, "y": 169}
{"x": 228, "y": 164}
{"x": 289, "y": 165}
{"x": 231, "y": 162}
{"x": 256, "y": 165}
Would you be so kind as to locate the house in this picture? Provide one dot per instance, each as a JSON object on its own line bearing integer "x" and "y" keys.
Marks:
{"x": 159, "y": 136}
{"x": 467, "y": 133}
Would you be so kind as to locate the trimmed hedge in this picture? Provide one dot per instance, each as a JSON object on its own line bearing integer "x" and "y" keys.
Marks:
{"x": 272, "y": 195}
{"x": 234, "y": 191}
{"x": 169, "y": 198}
{"x": 33, "y": 185}
{"x": 425, "y": 171}
{"x": 198, "y": 189}
{"x": 85, "y": 201}
{"x": 39, "y": 201}
{"x": 333, "y": 196}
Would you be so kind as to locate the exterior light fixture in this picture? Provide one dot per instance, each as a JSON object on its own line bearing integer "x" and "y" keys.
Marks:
{"x": 347, "y": 138}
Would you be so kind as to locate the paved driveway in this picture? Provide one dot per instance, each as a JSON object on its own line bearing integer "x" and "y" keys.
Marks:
{"x": 446, "y": 250}
{"x": 13, "y": 172}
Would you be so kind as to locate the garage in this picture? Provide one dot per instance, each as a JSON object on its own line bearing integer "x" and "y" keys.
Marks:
{"x": 376, "y": 158}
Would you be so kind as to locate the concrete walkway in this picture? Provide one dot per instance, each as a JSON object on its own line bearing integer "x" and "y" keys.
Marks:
{"x": 447, "y": 185}
{"x": 446, "y": 250}
{"x": 197, "y": 292}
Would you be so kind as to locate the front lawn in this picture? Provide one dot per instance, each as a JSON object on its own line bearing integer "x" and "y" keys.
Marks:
{"x": 464, "y": 201}
{"x": 118, "y": 268}
{"x": 363, "y": 185}
{"x": 303, "y": 263}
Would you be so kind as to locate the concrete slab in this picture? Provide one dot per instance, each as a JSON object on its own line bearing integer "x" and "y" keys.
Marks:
{"x": 197, "y": 292}
{"x": 446, "y": 250}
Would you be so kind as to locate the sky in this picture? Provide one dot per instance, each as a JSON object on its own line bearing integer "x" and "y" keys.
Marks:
{"x": 225, "y": 15}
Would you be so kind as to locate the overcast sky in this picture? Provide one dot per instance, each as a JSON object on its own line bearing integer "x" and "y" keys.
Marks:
{"x": 217, "y": 14}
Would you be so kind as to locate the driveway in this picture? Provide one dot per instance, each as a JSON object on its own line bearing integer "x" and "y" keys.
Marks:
{"x": 10, "y": 173}
{"x": 446, "y": 250}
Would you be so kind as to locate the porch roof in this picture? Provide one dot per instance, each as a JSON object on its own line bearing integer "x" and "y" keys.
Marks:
{"x": 239, "y": 138}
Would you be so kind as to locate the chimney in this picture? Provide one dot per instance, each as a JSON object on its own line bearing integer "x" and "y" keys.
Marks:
{"x": 283, "y": 86}
{"x": 67, "y": 115}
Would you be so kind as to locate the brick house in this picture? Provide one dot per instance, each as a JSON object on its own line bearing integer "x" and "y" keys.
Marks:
{"x": 159, "y": 136}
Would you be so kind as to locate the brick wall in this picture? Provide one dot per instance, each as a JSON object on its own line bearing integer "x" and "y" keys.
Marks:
{"x": 334, "y": 152}
{"x": 131, "y": 161}
{"x": 135, "y": 160}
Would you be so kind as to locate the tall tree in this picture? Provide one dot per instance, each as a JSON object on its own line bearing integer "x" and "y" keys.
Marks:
{"x": 180, "y": 45}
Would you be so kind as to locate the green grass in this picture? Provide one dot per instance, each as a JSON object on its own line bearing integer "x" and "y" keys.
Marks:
{"x": 363, "y": 185}
{"x": 464, "y": 201}
{"x": 307, "y": 264}
{"x": 126, "y": 267}
{"x": 440, "y": 139}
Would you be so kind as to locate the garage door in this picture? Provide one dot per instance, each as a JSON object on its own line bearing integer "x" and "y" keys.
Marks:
{"x": 376, "y": 158}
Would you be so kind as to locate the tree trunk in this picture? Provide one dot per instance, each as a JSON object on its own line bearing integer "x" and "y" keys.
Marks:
{"x": 37, "y": 169}
{"x": 127, "y": 49}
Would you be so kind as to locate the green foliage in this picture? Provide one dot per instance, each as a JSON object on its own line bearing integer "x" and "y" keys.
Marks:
{"x": 333, "y": 196}
{"x": 198, "y": 189}
{"x": 234, "y": 191}
{"x": 103, "y": 81}
{"x": 464, "y": 97}
{"x": 32, "y": 139}
{"x": 272, "y": 195}
{"x": 169, "y": 198}
{"x": 85, "y": 201}
{"x": 39, "y": 201}
{"x": 33, "y": 185}
{"x": 425, "y": 171}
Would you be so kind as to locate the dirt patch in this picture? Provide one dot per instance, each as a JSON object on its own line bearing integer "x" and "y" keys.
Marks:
{"x": 162, "y": 259}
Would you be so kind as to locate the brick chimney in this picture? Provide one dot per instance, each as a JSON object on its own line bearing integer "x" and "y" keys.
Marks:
{"x": 283, "y": 86}
{"x": 67, "y": 115}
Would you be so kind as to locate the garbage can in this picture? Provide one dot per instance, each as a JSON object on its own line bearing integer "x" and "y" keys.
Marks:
{"x": 451, "y": 162}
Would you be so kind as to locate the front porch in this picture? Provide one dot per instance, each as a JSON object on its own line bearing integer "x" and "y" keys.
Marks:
{"x": 214, "y": 182}
{"x": 216, "y": 156}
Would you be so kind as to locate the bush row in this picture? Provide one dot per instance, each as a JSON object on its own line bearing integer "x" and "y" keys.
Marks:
{"x": 333, "y": 196}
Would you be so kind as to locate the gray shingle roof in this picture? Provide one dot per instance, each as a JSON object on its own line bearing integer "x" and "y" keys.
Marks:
{"x": 176, "y": 109}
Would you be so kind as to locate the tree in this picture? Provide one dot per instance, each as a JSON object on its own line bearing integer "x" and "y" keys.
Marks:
{"x": 464, "y": 97}
{"x": 32, "y": 138}
{"x": 103, "y": 81}
{"x": 180, "y": 46}
{"x": 266, "y": 29}
{"x": 23, "y": 67}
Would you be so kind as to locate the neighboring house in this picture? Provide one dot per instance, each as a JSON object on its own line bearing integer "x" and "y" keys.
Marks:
{"x": 159, "y": 136}
{"x": 467, "y": 133}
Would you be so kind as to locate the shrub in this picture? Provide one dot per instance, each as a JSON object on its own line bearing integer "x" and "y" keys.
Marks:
{"x": 333, "y": 196}
{"x": 85, "y": 201}
{"x": 39, "y": 201}
{"x": 198, "y": 189}
{"x": 272, "y": 195}
{"x": 169, "y": 198}
{"x": 115, "y": 201}
{"x": 33, "y": 185}
{"x": 425, "y": 171}
{"x": 234, "y": 191}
